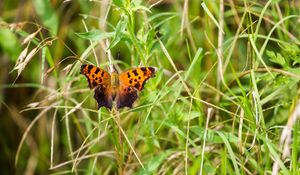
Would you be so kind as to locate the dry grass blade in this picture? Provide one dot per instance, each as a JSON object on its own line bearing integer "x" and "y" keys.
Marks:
{"x": 33, "y": 105}
{"x": 78, "y": 106}
{"x": 128, "y": 141}
{"x": 20, "y": 66}
{"x": 237, "y": 61}
{"x": 220, "y": 76}
{"x": 22, "y": 55}
{"x": 52, "y": 139}
{"x": 209, "y": 114}
{"x": 104, "y": 153}
{"x": 67, "y": 68}
{"x": 174, "y": 66}
{"x": 187, "y": 137}
{"x": 31, "y": 36}
{"x": 81, "y": 148}
{"x": 184, "y": 17}
{"x": 286, "y": 137}
{"x": 89, "y": 144}
{"x": 240, "y": 131}
{"x": 29, "y": 128}
{"x": 206, "y": 9}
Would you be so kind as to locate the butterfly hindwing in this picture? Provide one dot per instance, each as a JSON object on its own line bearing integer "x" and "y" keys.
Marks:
{"x": 126, "y": 96}
{"x": 103, "y": 96}
{"x": 137, "y": 77}
{"x": 95, "y": 75}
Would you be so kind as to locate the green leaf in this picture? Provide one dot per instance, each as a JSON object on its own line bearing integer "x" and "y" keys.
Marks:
{"x": 230, "y": 152}
{"x": 119, "y": 3}
{"x": 291, "y": 49}
{"x": 294, "y": 70}
{"x": 9, "y": 44}
{"x": 136, "y": 2}
{"x": 154, "y": 163}
{"x": 95, "y": 35}
{"x": 292, "y": 52}
{"x": 47, "y": 15}
{"x": 274, "y": 153}
{"x": 276, "y": 58}
{"x": 119, "y": 32}
{"x": 213, "y": 136}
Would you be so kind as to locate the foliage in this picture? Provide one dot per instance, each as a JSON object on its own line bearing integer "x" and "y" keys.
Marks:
{"x": 225, "y": 99}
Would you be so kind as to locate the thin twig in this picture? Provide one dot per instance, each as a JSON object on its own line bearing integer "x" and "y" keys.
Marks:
{"x": 94, "y": 52}
{"x": 184, "y": 16}
{"x": 128, "y": 141}
{"x": 111, "y": 67}
{"x": 209, "y": 114}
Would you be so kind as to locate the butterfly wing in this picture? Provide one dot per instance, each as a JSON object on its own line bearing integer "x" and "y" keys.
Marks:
{"x": 137, "y": 77}
{"x": 131, "y": 82}
{"x": 95, "y": 75}
{"x": 126, "y": 96}
{"x": 99, "y": 80}
{"x": 103, "y": 96}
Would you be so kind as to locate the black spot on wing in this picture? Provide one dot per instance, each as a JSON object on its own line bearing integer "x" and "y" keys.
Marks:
{"x": 137, "y": 86}
{"x": 135, "y": 72}
{"x": 90, "y": 67}
{"x": 94, "y": 84}
{"x": 152, "y": 69}
{"x": 97, "y": 70}
{"x": 144, "y": 70}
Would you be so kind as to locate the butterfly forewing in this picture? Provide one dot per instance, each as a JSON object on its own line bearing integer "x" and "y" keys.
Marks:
{"x": 130, "y": 82}
{"x": 95, "y": 75}
{"x": 99, "y": 80}
{"x": 137, "y": 77}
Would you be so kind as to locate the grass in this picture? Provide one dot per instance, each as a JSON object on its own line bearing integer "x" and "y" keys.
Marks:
{"x": 225, "y": 99}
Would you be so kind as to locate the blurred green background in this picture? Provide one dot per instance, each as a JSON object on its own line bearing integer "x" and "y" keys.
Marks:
{"x": 225, "y": 99}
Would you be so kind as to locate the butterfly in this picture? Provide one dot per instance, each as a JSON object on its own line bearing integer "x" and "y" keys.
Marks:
{"x": 119, "y": 88}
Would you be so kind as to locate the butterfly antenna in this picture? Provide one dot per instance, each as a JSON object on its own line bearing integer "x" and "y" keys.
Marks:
{"x": 115, "y": 69}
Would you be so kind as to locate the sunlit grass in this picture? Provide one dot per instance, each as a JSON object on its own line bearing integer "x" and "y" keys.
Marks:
{"x": 225, "y": 99}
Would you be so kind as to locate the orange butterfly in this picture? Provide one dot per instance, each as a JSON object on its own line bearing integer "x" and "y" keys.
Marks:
{"x": 123, "y": 88}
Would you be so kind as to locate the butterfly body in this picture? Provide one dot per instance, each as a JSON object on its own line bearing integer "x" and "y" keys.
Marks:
{"x": 114, "y": 80}
{"x": 119, "y": 88}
